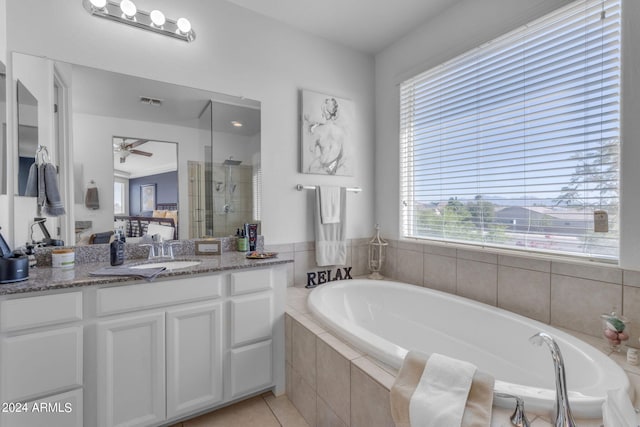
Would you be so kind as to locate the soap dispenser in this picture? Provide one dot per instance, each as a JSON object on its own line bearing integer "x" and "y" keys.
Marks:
{"x": 117, "y": 249}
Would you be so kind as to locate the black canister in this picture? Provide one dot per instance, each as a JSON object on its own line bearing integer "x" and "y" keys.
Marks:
{"x": 14, "y": 268}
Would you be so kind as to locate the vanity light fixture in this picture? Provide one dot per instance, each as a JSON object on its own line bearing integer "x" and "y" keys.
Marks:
{"x": 126, "y": 12}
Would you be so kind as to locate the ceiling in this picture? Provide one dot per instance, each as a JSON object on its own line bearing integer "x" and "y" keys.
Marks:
{"x": 365, "y": 25}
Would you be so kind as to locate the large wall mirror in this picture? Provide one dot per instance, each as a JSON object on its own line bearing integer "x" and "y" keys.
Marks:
{"x": 27, "y": 133}
{"x": 122, "y": 131}
{"x": 3, "y": 129}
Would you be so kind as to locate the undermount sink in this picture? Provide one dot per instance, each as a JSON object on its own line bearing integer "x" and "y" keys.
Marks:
{"x": 169, "y": 265}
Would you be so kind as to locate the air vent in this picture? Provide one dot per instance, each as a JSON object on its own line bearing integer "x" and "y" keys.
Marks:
{"x": 150, "y": 101}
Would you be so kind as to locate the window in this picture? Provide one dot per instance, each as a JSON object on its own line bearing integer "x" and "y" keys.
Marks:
{"x": 515, "y": 143}
{"x": 119, "y": 198}
{"x": 257, "y": 192}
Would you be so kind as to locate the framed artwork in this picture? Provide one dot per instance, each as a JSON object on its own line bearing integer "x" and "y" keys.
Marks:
{"x": 147, "y": 197}
{"x": 325, "y": 134}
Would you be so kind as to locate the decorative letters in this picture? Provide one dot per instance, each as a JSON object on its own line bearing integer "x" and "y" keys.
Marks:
{"x": 315, "y": 278}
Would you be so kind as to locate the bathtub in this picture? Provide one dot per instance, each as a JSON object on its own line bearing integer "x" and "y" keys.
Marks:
{"x": 385, "y": 319}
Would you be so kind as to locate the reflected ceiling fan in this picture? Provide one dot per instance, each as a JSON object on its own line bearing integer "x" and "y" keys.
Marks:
{"x": 126, "y": 148}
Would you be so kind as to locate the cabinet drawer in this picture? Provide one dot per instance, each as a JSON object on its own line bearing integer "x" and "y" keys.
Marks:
{"x": 120, "y": 299}
{"x": 40, "y": 363}
{"x": 251, "y": 368}
{"x": 251, "y": 318}
{"x": 30, "y": 312}
{"x": 60, "y": 410}
{"x": 245, "y": 282}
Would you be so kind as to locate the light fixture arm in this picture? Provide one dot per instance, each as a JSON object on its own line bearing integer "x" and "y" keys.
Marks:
{"x": 141, "y": 19}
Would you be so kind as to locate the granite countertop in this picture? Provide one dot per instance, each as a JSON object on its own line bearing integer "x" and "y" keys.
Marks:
{"x": 48, "y": 278}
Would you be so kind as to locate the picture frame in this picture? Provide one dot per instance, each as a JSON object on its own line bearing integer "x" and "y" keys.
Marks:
{"x": 147, "y": 197}
{"x": 326, "y": 142}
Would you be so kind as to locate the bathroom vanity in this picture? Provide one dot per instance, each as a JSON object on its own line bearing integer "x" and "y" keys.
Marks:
{"x": 108, "y": 351}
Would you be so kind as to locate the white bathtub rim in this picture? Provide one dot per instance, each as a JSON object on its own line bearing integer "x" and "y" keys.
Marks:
{"x": 391, "y": 354}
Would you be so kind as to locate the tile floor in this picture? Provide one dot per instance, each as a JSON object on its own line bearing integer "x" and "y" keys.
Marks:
{"x": 265, "y": 410}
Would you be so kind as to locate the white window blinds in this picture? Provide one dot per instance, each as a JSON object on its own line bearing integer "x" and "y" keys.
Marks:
{"x": 515, "y": 143}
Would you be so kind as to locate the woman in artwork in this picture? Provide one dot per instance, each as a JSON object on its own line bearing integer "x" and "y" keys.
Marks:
{"x": 327, "y": 139}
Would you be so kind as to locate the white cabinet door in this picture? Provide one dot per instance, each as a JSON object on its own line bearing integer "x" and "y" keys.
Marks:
{"x": 251, "y": 318}
{"x": 194, "y": 358}
{"x": 38, "y": 363}
{"x": 131, "y": 371}
{"x": 251, "y": 368}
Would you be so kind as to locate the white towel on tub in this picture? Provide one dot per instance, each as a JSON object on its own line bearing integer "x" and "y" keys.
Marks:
{"x": 441, "y": 395}
{"x": 330, "y": 206}
{"x": 331, "y": 243}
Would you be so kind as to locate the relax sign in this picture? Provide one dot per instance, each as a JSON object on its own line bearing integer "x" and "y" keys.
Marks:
{"x": 315, "y": 278}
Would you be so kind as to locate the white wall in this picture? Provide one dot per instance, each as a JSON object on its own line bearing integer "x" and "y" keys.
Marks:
{"x": 466, "y": 25}
{"x": 236, "y": 52}
{"x": 5, "y": 203}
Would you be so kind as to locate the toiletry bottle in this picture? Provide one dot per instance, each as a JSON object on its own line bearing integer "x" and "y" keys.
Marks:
{"x": 117, "y": 250}
{"x": 242, "y": 242}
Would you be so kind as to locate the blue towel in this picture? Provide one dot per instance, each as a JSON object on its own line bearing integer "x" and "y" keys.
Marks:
{"x": 52, "y": 201}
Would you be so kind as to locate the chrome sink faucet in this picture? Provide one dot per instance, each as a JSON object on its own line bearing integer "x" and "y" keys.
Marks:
{"x": 563, "y": 411}
{"x": 160, "y": 248}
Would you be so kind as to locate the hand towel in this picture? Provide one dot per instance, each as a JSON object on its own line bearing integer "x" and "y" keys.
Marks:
{"x": 91, "y": 199}
{"x": 32, "y": 181}
{"x": 477, "y": 408}
{"x": 53, "y": 202}
{"x": 331, "y": 244}
{"x": 617, "y": 410}
{"x": 330, "y": 204}
{"x": 145, "y": 273}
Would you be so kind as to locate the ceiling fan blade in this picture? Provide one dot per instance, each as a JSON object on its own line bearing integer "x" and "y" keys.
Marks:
{"x": 142, "y": 153}
{"x": 136, "y": 143}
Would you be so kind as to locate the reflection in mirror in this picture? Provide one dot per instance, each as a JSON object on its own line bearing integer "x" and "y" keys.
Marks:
{"x": 27, "y": 134}
{"x": 145, "y": 180}
{"x": 198, "y": 124}
{"x": 3, "y": 129}
{"x": 200, "y": 186}
{"x": 235, "y": 167}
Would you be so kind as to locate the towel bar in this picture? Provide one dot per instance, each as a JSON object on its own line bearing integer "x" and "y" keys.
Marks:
{"x": 301, "y": 187}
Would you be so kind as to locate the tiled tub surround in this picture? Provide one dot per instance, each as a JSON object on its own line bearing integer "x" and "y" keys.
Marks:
{"x": 333, "y": 384}
{"x": 565, "y": 294}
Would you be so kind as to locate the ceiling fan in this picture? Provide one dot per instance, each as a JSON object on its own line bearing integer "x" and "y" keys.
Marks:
{"x": 126, "y": 148}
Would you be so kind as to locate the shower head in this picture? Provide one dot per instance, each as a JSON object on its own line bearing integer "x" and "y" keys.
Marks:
{"x": 231, "y": 162}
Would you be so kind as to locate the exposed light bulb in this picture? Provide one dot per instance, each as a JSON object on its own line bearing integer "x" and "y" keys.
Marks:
{"x": 98, "y": 4}
{"x": 128, "y": 8}
{"x": 157, "y": 18}
{"x": 184, "y": 26}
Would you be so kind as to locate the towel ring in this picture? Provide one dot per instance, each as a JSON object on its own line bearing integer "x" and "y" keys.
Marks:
{"x": 42, "y": 155}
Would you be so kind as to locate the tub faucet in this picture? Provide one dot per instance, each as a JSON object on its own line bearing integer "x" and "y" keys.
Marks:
{"x": 563, "y": 411}
{"x": 518, "y": 418}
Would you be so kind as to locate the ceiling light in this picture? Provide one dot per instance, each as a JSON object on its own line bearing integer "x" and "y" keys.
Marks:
{"x": 126, "y": 12}
{"x": 184, "y": 26}
{"x": 157, "y": 18}
{"x": 128, "y": 9}
{"x": 236, "y": 123}
{"x": 99, "y": 4}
